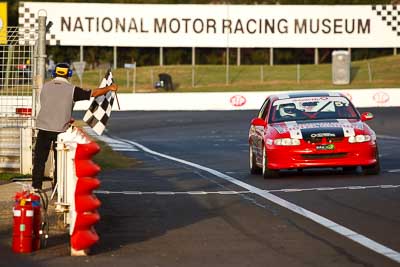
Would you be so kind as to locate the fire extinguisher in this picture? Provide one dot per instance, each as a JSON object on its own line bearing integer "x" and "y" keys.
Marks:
{"x": 27, "y": 228}
{"x": 23, "y": 225}
{"x": 37, "y": 222}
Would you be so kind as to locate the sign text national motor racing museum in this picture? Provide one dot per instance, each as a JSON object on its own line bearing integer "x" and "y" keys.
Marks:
{"x": 212, "y": 26}
{"x": 148, "y": 25}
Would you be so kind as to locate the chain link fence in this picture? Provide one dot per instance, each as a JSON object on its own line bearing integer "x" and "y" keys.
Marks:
{"x": 16, "y": 80}
{"x": 17, "y": 72}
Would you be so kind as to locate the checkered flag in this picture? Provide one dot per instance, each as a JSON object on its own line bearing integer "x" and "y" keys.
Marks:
{"x": 390, "y": 14}
{"x": 100, "y": 109}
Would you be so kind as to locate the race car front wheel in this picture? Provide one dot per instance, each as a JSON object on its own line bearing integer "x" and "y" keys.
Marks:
{"x": 373, "y": 169}
{"x": 254, "y": 169}
{"x": 267, "y": 173}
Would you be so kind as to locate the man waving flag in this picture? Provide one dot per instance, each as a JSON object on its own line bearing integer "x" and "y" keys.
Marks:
{"x": 100, "y": 109}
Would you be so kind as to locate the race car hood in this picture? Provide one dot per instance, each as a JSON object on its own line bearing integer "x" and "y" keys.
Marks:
{"x": 317, "y": 129}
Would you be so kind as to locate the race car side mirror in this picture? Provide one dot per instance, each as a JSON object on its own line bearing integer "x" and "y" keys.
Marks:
{"x": 366, "y": 116}
{"x": 258, "y": 122}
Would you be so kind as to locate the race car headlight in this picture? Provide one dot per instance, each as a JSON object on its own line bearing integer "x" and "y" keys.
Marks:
{"x": 286, "y": 142}
{"x": 359, "y": 138}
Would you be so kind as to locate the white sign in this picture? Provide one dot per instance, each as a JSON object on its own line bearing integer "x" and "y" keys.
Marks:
{"x": 147, "y": 25}
{"x": 130, "y": 65}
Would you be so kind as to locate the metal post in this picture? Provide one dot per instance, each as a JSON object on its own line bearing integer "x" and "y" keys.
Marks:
{"x": 41, "y": 61}
{"x": 35, "y": 88}
{"x": 81, "y": 53}
{"x": 127, "y": 78}
{"x": 395, "y": 51}
{"x": 369, "y": 73}
{"x": 115, "y": 58}
{"x": 316, "y": 56}
{"x": 238, "y": 59}
{"x": 161, "y": 56}
{"x": 349, "y": 49}
{"x": 151, "y": 78}
{"x": 271, "y": 56}
{"x": 193, "y": 65}
{"x": 298, "y": 73}
{"x": 262, "y": 73}
{"x": 227, "y": 66}
{"x": 134, "y": 79}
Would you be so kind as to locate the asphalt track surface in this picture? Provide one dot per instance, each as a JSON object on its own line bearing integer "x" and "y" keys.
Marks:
{"x": 167, "y": 213}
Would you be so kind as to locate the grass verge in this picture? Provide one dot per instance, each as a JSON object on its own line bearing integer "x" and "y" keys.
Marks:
{"x": 109, "y": 159}
{"x": 8, "y": 176}
{"x": 374, "y": 73}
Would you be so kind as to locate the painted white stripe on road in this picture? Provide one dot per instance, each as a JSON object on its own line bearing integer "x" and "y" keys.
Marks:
{"x": 388, "y": 137}
{"x": 115, "y": 144}
{"x": 341, "y": 230}
{"x": 125, "y": 149}
{"x": 395, "y": 170}
{"x": 170, "y": 193}
{"x": 358, "y": 187}
{"x": 229, "y": 192}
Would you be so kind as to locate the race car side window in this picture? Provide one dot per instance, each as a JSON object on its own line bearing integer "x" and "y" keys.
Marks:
{"x": 264, "y": 109}
{"x": 260, "y": 112}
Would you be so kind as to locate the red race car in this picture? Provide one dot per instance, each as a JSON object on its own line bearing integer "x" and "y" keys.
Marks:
{"x": 311, "y": 130}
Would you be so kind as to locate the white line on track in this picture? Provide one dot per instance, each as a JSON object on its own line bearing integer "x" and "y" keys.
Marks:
{"x": 395, "y": 170}
{"x": 339, "y": 229}
{"x": 168, "y": 193}
{"x": 229, "y": 192}
{"x": 388, "y": 137}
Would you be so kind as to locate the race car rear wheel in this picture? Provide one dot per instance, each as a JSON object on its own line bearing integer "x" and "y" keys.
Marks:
{"x": 373, "y": 169}
{"x": 267, "y": 173}
{"x": 254, "y": 169}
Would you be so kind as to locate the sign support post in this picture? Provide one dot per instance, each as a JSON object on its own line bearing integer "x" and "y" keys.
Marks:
{"x": 79, "y": 67}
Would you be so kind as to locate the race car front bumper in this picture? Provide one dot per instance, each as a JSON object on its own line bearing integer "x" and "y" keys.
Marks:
{"x": 312, "y": 156}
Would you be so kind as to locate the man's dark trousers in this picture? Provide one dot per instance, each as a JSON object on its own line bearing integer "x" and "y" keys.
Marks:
{"x": 42, "y": 150}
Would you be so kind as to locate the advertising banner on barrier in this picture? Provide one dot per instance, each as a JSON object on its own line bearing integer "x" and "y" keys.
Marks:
{"x": 154, "y": 25}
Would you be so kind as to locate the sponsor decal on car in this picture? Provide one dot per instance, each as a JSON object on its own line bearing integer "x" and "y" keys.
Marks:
{"x": 338, "y": 127}
{"x": 315, "y": 135}
{"x": 325, "y": 147}
{"x": 328, "y": 132}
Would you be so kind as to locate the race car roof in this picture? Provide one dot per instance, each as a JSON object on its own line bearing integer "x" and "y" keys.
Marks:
{"x": 305, "y": 94}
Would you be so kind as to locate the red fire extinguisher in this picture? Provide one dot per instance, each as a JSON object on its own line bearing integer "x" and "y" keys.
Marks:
{"x": 37, "y": 221}
{"x": 27, "y": 223}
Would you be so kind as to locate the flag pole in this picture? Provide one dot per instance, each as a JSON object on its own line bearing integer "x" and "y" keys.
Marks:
{"x": 116, "y": 97}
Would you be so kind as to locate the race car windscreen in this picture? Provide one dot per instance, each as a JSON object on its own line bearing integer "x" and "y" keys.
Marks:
{"x": 311, "y": 108}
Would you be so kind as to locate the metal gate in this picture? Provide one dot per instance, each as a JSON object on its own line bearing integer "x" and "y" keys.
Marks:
{"x": 17, "y": 69}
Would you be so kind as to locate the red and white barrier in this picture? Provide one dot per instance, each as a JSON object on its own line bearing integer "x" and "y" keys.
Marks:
{"x": 238, "y": 100}
{"x": 76, "y": 182}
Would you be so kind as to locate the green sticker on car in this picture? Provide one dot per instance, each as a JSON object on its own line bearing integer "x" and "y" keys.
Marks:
{"x": 326, "y": 147}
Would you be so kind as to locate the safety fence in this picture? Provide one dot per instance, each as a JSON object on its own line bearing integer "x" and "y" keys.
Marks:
{"x": 16, "y": 80}
{"x": 17, "y": 70}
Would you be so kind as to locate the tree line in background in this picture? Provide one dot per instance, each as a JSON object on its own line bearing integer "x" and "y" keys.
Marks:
{"x": 96, "y": 56}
